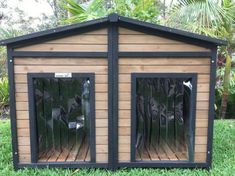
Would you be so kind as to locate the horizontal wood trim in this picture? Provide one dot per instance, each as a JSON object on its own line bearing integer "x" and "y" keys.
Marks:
{"x": 23, "y": 141}
{"x": 200, "y": 157}
{"x": 23, "y": 132}
{"x": 61, "y": 61}
{"x": 101, "y": 122}
{"x": 164, "y": 61}
{"x": 203, "y": 105}
{"x": 101, "y": 114}
{"x": 122, "y": 30}
{"x": 161, "y": 69}
{"x": 201, "y": 140}
{"x": 102, "y": 131}
{"x": 124, "y": 157}
{"x": 159, "y": 47}
{"x": 101, "y": 140}
{"x": 65, "y": 47}
{"x": 203, "y": 96}
{"x": 200, "y": 149}
{"x": 124, "y": 131}
{"x": 101, "y": 157}
{"x": 123, "y": 114}
{"x": 101, "y": 148}
{"x": 82, "y": 39}
{"x": 124, "y": 140}
{"x": 124, "y": 148}
{"x": 202, "y": 131}
{"x": 22, "y": 115}
{"x": 83, "y": 69}
{"x": 124, "y": 122}
{"x": 101, "y": 96}
{"x": 123, "y": 96}
{"x": 24, "y": 158}
{"x": 201, "y": 123}
{"x": 21, "y": 96}
{"x": 145, "y": 39}
{"x": 22, "y": 124}
{"x": 202, "y": 114}
{"x": 24, "y": 150}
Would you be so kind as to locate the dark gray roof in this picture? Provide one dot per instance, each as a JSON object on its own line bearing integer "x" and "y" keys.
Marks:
{"x": 119, "y": 20}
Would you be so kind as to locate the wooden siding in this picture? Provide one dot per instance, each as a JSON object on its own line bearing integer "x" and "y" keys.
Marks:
{"x": 27, "y": 65}
{"x": 130, "y": 40}
{"x": 163, "y": 65}
{"x": 95, "y": 41}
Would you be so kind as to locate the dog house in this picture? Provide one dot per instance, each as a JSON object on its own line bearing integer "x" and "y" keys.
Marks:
{"x": 112, "y": 92}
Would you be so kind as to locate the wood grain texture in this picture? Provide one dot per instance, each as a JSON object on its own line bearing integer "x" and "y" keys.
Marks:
{"x": 97, "y": 66}
{"x": 130, "y": 40}
{"x": 164, "y": 65}
{"x": 89, "y": 41}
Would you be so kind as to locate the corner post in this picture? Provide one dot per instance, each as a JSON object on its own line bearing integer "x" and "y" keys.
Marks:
{"x": 211, "y": 107}
{"x": 10, "y": 64}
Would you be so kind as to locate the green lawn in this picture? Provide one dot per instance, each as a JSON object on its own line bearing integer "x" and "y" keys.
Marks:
{"x": 223, "y": 158}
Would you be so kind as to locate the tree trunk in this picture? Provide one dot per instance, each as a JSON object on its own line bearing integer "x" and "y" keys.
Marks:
{"x": 224, "y": 98}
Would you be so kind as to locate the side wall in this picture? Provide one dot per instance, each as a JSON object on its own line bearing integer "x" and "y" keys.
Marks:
{"x": 92, "y": 41}
{"x": 136, "y": 41}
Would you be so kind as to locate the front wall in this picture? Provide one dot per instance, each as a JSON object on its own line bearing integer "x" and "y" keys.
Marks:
{"x": 96, "y": 41}
{"x": 136, "y": 41}
{"x": 29, "y": 65}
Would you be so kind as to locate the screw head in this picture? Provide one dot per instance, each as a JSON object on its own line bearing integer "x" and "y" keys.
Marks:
{"x": 208, "y": 152}
{"x": 212, "y": 61}
{"x": 10, "y": 60}
{"x": 16, "y": 153}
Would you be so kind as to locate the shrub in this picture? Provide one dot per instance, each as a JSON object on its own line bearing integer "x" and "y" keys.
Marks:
{"x": 4, "y": 94}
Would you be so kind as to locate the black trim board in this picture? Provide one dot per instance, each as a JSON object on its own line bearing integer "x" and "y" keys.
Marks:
{"x": 70, "y": 165}
{"x": 33, "y": 124}
{"x": 14, "y": 138}
{"x": 102, "y": 22}
{"x": 163, "y": 164}
{"x": 165, "y": 54}
{"x": 113, "y": 95}
{"x": 105, "y": 54}
{"x": 211, "y": 112}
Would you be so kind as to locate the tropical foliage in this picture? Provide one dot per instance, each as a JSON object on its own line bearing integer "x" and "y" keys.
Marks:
{"x": 4, "y": 95}
{"x": 146, "y": 10}
{"x": 215, "y": 18}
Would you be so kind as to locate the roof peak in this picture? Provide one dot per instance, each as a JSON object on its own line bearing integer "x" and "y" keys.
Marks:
{"x": 111, "y": 18}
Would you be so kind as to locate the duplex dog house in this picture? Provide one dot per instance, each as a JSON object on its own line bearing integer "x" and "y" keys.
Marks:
{"x": 112, "y": 92}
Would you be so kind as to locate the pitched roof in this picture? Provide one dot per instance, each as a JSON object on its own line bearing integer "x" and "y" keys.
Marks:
{"x": 120, "y": 20}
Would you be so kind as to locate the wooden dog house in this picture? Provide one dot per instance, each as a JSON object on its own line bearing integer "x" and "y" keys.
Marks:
{"x": 112, "y": 92}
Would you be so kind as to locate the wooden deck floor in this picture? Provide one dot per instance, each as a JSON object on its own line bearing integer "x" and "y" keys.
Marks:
{"x": 78, "y": 152}
{"x": 162, "y": 152}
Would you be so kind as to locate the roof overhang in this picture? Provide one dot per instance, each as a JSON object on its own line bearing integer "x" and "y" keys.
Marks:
{"x": 112, "y": 18}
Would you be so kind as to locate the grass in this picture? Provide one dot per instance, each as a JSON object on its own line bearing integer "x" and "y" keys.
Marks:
{"x": 223, "y": 158}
